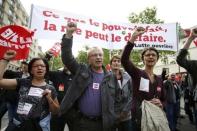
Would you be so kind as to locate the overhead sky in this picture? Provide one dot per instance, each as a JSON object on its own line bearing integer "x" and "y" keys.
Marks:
{"x": 170, "y": 11}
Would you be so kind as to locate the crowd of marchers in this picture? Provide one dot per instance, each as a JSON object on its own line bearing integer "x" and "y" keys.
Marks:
{"x": 87, "y": 97}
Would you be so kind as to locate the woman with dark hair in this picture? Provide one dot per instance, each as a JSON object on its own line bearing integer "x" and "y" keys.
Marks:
{"x": 146, "y": 85}
{"x": 46, "y": 65}
{"x": 36, "y": 98}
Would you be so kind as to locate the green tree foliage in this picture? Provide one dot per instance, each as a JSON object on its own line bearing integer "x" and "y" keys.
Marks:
{"x": 106, "y": 56}
{"x": 55, "y": 63}
{"x": 147, "y": 16}
{"x": 82, "y": 57}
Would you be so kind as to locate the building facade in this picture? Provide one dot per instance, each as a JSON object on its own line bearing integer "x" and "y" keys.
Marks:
{"x": 12, "y": 12}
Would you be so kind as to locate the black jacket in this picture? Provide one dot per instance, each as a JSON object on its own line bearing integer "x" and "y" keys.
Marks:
{"x": 172, "y": 93}
{"x": 82, "y": 77}
{"x": 11, "y": 96}
{"x": 189, "y": 65}
{"x": 59, "y": 78}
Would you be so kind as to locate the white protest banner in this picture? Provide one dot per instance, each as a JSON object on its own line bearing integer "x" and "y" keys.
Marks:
{"x": 51, "y": 24}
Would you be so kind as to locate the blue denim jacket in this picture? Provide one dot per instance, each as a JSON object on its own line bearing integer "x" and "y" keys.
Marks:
{"x": 44, "y": 123}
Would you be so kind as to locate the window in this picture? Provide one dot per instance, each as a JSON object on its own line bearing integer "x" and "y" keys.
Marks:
{"x": 9, "y": 12}
{"x": 10, "y": 1}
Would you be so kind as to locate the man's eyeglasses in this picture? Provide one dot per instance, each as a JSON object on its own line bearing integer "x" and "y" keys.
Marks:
{"x": 96, "y": 55}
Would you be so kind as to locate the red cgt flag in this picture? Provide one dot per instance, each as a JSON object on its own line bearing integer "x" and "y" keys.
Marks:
{"x": 55, "y": 50}
{"x": 16, "y": 38}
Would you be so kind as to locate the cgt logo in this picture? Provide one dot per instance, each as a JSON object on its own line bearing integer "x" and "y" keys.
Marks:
{"x": 16, "y": 38}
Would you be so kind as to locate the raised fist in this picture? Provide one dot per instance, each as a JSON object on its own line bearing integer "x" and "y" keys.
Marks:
{"x": 71, "y": 28}
{"x": 139, "y": 31}
{"x": 9, "y": 54}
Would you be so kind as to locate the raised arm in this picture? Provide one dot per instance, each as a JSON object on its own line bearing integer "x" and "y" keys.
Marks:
{"x": 7, "y": 83}
{"x": 53, "y": 102}
{"x": 182, "y": 55}
{"x": 192, "y": 36}
{"x": 67, "y": 56}
{"x": 131, "y": 69}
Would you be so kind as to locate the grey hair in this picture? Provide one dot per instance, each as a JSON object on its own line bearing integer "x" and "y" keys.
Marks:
{"x": 92, "y": 49}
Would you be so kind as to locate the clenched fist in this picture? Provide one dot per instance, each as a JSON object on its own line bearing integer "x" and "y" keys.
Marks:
{"x": 71, "y": 28}
{"x": 9, "y": 54}
{"x": 139, "y": 31}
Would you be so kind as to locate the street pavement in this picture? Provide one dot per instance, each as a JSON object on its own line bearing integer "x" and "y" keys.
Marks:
{"x": 185, "y": 125}
{"x": 183, "y": 121}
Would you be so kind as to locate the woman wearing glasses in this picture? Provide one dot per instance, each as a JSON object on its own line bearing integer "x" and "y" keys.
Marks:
{"x": 36, "y": 98}
{"x": 146, "y": 85}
